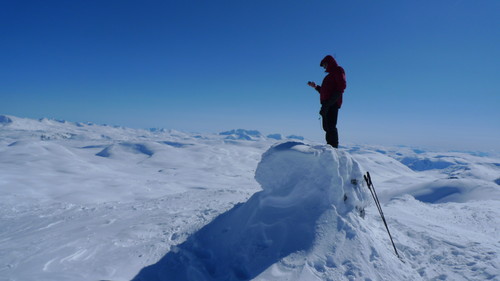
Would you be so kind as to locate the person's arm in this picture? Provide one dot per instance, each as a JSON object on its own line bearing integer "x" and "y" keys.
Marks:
{"x": 316, "y": 87}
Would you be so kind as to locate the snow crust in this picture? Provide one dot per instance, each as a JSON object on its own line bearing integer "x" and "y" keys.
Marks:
{"x": 82, "y": 201}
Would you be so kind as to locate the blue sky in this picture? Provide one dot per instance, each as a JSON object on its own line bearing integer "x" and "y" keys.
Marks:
{"x": 419, "y": 73}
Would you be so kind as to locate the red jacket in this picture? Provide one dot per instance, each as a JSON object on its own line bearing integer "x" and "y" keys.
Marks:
{"x": 333, "y": 84}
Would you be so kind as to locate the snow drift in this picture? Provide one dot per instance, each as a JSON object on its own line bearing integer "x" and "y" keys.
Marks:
{"x": 82, "y": 201}
{"x": 306, "y": 224}
{"x": 452, "y": 190}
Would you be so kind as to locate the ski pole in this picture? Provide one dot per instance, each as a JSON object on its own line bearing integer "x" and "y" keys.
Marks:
{"x": 374, "y": 195}
{"x": 371, "y": 187}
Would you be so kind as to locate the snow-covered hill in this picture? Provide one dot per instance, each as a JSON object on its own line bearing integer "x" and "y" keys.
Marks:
{"x": 89, "y": 202}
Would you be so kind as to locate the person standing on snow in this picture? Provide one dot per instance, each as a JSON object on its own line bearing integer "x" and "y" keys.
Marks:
{"x": 330, "y": 95}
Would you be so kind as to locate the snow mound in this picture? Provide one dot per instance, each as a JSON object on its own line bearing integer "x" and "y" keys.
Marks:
{"x": 306, "y": 224}
{"x": 114, "y": 150}
{"x": 176, "y": 144}
{"x": 5, "y": 120}
{"x": 424, "y": 164}
{"x": 294, "y": 173}
{"x": 455, "y": 190}
{"x": 382, "y": 167}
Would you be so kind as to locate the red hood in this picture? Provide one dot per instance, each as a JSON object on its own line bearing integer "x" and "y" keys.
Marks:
{"x": 332, "y": 63}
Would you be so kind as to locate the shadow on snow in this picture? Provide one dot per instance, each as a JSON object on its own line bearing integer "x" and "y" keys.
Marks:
{"x": 239, "y": 244}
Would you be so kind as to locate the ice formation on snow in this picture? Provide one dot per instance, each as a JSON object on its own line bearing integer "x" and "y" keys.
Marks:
{"x": 305, "y": 223}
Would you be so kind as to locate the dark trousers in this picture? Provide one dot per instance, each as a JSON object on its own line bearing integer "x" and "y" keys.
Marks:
{"x": 330, "y": 116}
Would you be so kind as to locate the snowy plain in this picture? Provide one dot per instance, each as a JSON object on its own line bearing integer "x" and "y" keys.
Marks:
{"x": 81, "y": 201}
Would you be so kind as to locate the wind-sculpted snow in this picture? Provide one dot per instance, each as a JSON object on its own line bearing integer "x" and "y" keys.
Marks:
{"x": 454, "y": 190}
{"x": 136, "y": 148}
{"x": 312, "y": 202}
{"x": 81, "y": 201}
{"x": 4, "y": 120}
{"x": 423, "y": 164}
{"x": 291, "y": 172}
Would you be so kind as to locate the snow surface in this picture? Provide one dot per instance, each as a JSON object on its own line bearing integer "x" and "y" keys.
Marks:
{"x": 88, "y": 202}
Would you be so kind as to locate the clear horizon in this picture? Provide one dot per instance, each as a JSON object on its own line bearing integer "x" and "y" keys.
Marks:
{"x": 419, "y": 74}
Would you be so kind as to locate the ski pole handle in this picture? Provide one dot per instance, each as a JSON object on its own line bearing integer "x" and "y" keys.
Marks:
{"x": 367, "y": 181}
{"x": 369, "y": 177}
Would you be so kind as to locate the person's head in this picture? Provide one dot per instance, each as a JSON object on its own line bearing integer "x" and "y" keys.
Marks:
{"x": 328, "y": 63}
